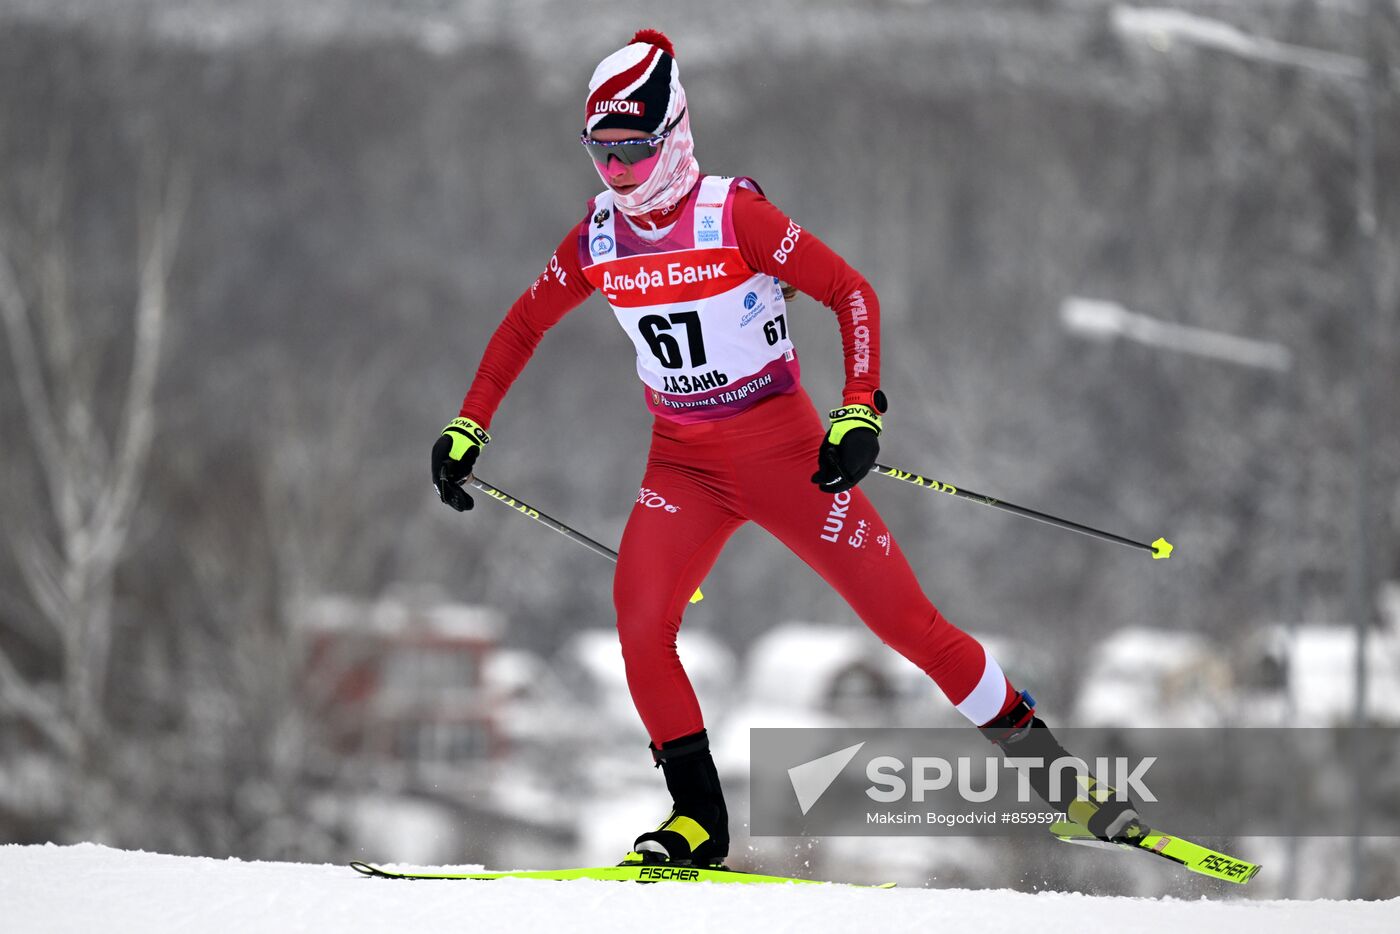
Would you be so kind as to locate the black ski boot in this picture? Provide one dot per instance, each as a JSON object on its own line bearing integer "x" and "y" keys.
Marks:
{"x": 696, "y": 832}
{"x": 1093, "y": 805}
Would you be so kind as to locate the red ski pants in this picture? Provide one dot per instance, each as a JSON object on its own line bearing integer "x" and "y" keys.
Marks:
{"x": 705, "y": 480}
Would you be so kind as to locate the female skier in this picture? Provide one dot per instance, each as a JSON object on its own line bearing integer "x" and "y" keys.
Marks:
{"x": 692, "y": 266}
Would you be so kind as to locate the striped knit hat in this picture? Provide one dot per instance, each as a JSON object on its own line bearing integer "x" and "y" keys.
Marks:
{"x": 638, "y": 87}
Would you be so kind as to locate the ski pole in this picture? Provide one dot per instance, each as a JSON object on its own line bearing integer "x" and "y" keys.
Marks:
{"x": 573, "y": 535}
{"x": 1161, "y": 548}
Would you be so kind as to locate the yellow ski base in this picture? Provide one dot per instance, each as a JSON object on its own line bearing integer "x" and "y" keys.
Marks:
{"x": 629, "y": 871}
{"x": 1193, "y": 856}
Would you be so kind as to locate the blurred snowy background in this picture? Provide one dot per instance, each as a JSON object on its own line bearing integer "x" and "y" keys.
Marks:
{"x": 250, "y": 253}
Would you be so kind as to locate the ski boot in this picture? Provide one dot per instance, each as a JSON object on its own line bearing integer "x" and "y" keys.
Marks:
{"x": 696, "y": 832}
{"x": 1093, "y": 805}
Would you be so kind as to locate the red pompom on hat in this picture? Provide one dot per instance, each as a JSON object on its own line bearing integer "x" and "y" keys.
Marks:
{"x": 655, "y": 37}
{"x": 635, "y": 88}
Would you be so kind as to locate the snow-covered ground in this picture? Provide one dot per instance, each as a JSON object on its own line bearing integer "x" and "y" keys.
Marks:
{"x": 92, "y": 888}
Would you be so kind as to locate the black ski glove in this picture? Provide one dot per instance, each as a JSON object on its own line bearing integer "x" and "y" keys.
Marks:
{"x": 851, "y": 445}
{"x": 454, "y": 454}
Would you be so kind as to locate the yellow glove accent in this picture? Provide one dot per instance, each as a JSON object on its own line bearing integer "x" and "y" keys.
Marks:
{"x": 465, "y": 434}
{"x": 851, "y": 416}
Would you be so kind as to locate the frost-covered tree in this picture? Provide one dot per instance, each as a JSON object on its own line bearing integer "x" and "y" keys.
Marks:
{"x": 88, "y": 398}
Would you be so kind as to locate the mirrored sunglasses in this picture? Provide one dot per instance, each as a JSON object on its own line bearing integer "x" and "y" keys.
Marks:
{"x": 628, "y": 151}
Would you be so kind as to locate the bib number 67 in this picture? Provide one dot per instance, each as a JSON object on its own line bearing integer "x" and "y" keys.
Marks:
{"x": 656, "y": 330}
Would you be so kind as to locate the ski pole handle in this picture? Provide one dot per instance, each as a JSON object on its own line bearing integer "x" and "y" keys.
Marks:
{"x": 573, "y": 535}
{"x": 1161, "y": 548}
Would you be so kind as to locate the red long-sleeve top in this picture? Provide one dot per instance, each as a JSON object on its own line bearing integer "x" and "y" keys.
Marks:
{"x": 811, "y": 266}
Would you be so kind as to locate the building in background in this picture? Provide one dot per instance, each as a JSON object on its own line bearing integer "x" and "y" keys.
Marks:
{"x": 400, "y": 680}
{"x": 1144, "y": 677}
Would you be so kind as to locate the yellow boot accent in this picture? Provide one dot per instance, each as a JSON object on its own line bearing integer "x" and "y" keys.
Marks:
{"x": 694, "y": 834}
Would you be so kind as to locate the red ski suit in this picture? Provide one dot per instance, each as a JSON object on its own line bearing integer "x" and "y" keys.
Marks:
{"x": 735, "y": 438}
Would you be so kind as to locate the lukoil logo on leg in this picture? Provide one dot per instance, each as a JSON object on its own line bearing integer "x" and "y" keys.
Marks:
{"x": 836, "y": 516}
